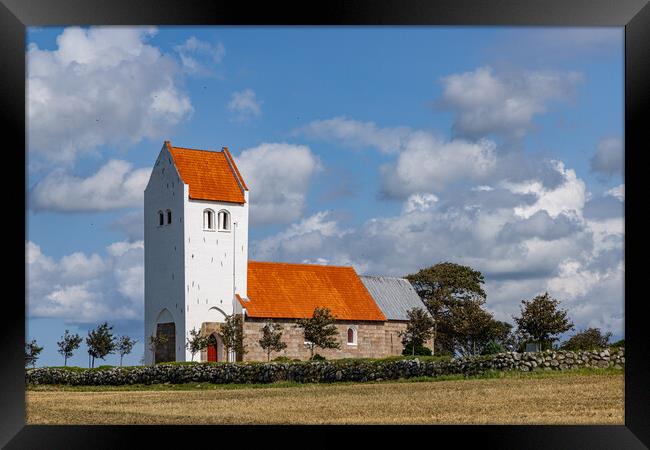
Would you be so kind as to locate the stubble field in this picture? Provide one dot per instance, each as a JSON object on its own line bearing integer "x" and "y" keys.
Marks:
{"x": 545, "y": 398}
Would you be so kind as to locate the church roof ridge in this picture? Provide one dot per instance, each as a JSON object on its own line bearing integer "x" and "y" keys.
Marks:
{"x": 302, "y": 264}
{"x": 211, "y": 175}
{"x": 292, "y": 291}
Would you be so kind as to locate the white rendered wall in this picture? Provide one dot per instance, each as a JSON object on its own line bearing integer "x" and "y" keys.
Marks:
{"x": 163, "y": 252}
{"x": 209, "y": 259}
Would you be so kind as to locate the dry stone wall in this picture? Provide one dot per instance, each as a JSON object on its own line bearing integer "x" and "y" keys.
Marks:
{"x": 327, "y": 371}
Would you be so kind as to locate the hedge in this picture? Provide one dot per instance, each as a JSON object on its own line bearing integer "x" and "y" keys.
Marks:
{"x": 325, "y": 371}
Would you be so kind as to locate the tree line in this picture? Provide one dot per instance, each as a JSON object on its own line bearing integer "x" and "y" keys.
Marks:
{"x": 100, "y": 343}
{"x": 456, "y": 320}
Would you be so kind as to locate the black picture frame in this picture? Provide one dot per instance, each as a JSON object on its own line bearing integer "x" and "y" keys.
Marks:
{"x": 634, "y": 15}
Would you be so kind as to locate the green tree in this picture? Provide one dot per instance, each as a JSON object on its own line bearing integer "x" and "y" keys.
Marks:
{"x": 444, "y": 288}
{"x": 319, "y": 330}
{"x": 418, "y": 329}
{"x": 492, "y": 348}
{"x": 589, "y": 339}
{"x": 154, "y": 342}
{"x": 67, "y": 345}
{"x": 271, "y": 340}
{"x": 124, "y": 346}
{"x": 470, "y": 328}
{"x": 232, "y": 335}
{"x": 617, "y": 344}
{"x": 100, "y": 342}
{"x": 196, "y": 342}
{"x": 32, "y": 350}
{"x": 542, "y": 321}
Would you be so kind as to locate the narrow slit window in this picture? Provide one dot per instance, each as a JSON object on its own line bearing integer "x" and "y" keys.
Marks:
{"x": 161, "y": 218}
{"x": 169, "y": 216}
{"x": 224, "y": 221}
{"x": 352, "y": 336}
{"x": 208, "y": 219}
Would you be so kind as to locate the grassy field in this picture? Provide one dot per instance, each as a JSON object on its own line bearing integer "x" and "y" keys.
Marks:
{"x": 572, "y": 397}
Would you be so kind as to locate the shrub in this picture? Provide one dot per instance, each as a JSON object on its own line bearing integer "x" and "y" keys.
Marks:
{"x": 317, "y": 357}
{"x": 283, "y": 359}
{"x": 350, "y": 370}
{"x": 492, "y": 348}
{"x": 420, "y": 350}
{"x": 589, "y": 339}
{"x": 618, "y": 344}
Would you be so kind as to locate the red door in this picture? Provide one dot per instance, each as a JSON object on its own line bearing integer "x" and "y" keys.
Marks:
{"x": 212, "y": 353}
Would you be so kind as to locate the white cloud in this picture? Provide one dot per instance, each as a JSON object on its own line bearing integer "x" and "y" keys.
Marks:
{"x": 617, "y": 192}
{"x": 198, "y": 56}
{"x": 428, "y": 164}
{"x": 83, "y": 289}
{"x": 568, "y": 198}
{"x": 419, "y": 202}
{"x": 278, "y": 176}
{"x": 485, "y": 103}
{"x": 100, "y": 86}
{"x": 525, "y": 239}
{"x": 609, "y": 157}
{"x": 115, "y": 185}
{"x": 244, "y": 104}
{"x": 306, "y": 235}
{"x": 356, "y": 134}
{"x": 425, "y": 163}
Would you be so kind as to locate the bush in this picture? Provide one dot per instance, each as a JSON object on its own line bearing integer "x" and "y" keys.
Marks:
{"x": 618, "y": 344}
{"x": 350, "y": 370}
{"x": 318, "y": 357}
{"x": 493, "y": 348}
{"x": 283, "y": 359}
{"x": 590, "y": 339}
{"x": 420, "y": 350}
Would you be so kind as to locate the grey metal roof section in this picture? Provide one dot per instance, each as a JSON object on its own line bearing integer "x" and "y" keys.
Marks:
{"x": 394, "y": 296}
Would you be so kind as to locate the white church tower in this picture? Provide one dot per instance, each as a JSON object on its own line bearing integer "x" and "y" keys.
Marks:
{"x": 196, "y": 247}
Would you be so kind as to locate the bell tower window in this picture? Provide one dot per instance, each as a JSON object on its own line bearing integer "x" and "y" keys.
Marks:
{"x": 208, "y": 219}
{"x": 224, "y": 220}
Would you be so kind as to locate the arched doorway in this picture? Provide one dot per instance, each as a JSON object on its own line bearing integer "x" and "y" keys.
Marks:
{"x": 165, "y": 329}
{"x": 215, "y": 348}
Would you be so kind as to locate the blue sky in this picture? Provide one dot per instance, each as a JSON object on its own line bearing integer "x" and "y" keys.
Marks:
{"x": 386, "y": 148}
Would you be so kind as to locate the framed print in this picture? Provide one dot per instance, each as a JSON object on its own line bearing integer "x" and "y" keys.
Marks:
{"x": 359, "y": 213}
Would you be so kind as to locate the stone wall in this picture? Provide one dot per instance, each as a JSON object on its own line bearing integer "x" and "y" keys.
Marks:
{"x": 374, "y": 340}
{"x": 358, "y": 370}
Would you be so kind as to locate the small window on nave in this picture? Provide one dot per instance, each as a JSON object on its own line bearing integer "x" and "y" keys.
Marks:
{"x": 352, "y": 336}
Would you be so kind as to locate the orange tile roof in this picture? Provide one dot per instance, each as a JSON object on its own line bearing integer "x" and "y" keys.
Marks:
{"x": 210, "y": 175}
{"x": 291, "y": 291}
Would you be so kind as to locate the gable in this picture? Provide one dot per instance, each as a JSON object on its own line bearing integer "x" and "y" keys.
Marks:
{"x": 293, "y": 291}
{"x": 164, "y": 161}
{"x": 210, "y": 175}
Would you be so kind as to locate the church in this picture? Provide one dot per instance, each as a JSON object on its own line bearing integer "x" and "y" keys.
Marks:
{"x": 197, "y": 272}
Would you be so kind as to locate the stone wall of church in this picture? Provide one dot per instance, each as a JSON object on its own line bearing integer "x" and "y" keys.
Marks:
{"x": 374, "y": 340}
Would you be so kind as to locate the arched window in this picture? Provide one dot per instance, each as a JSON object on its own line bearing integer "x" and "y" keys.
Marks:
{"x": 352, "y": 336}
{"x": 169, "y": 216}
{"x": 161, "y": 218}
{"x": 224, "y": 221}
{"x": 208, "y": 219}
